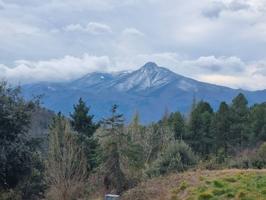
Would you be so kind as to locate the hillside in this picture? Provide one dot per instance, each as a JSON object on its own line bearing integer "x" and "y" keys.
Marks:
{"x": 203, "y": 185}
{"x": 150, "y": 90}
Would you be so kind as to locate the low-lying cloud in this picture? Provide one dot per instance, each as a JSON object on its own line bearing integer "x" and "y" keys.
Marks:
{"x": 226, "y": 71}
{"x": 54, "y": 70}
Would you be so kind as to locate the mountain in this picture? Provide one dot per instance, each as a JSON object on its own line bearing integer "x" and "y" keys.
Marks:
{"x": 150, "y": 91}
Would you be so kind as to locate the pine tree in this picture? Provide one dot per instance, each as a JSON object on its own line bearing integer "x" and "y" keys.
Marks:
{"x": 114, "y": 140}
{"x": 257, "y": 122}
{"x": 83, "y": 123}
{"x": 199, "y": 136}
{"x": 221, "y": 128}
{"x": 135, "y": 128}
{"x": 177, "y": 123}
{"x": 239, "y": 118}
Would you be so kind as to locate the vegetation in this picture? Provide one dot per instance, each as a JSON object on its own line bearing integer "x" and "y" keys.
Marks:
{"x": 83, "y": 124}
{"x": 78, "y": 156}
{"x": 177, "y": 157}
{"x": 66, "y": 164}
{"x": 203, "y": 185}
{"x": 21, "y": 168}
{"x": 113, "y": 144}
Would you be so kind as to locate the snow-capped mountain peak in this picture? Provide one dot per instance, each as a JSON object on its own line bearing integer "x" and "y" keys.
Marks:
{"x": 150, "y": 76}
{"x": 149, "y": 90}
{"x": 149, "y": 66}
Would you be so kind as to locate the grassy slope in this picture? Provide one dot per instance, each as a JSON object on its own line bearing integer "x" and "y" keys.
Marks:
{"x": 203, "y": 185}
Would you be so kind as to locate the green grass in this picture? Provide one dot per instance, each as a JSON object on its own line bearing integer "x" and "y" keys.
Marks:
{"x": 241, "y": 186}
{"x": 228, "y": 184}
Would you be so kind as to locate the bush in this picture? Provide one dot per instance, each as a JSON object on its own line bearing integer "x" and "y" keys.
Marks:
{"x": 243, "y": 160}
{"x": 10, "y": 195}
{"x": 177, "y": 157}
{"x": 250, "y": 158}
{"x": 262, "y": 152}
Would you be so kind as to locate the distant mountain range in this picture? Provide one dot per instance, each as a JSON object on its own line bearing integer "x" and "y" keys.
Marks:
{"x": 150, "y": 91}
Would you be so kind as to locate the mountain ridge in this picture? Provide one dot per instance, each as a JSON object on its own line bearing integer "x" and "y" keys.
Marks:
{"x": 150, "y": 90}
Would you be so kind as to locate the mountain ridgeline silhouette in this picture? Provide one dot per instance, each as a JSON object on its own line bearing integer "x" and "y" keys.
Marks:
{"x": 150, "y": 91}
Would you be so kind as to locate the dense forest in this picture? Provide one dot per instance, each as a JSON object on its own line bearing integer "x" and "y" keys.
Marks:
{"x": 50, "y": 156}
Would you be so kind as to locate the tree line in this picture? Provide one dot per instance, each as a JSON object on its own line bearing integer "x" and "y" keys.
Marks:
{"x": 85, "y": 157}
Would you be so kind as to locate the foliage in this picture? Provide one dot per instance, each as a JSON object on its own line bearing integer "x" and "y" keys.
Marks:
{"x": 113, "y": 141}
{"x": 20, "y": 168}
{"x": 177, "y": 157}
{"x": 177, "y": 123}
{"x": 121, "y": 155}
{"x": 66, "y": 164}
{"x": 262, "y": 152}
{"x": 199, "y": 137}
{"x": 220, "y": 129}
{"x": 239, "y": 122}
{"x": 83, "y": 124}
{"x": 257, "y": 122}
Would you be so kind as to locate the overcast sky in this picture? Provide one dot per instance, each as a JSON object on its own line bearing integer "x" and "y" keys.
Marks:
{"x": 221, "y": 42}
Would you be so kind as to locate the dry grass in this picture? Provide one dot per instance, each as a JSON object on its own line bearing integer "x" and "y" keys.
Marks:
{"x": 186, "y": 185}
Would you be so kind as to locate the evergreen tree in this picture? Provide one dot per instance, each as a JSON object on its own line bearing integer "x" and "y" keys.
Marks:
{"x": 83, "y": 123}
{"x": 15, "y": 154}
{"x": 199, "y": 136}
{"x": 19, "y": 158}
{"x": 177, "y": 123}
{"x": 239, "y": 119}
{"x": 114, "y": 140}
{"x": 135, "y": 129}
{"x": 257, "y": 122}
{"x": 221, "y": 128}
{"x": 136, "y": 143}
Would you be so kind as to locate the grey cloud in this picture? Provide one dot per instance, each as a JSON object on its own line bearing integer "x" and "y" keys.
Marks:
{"x": 131, "y": 32}
{"x": 239, "y": 5}
{"x": 214, "y": 10}
{"x": 217, "y": 7}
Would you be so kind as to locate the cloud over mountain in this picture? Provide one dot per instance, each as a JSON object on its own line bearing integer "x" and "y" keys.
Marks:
{"x": 227, "y": 71}
{"x": 218, "y": 41}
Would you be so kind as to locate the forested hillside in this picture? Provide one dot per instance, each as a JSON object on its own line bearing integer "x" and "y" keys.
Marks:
{"x": 84, "y": 158}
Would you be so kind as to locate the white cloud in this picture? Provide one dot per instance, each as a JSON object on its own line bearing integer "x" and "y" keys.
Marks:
{"x": 98, "y": 28}
{"x": 226, "y": 71}
{"x": 74, "y": 27}
{"x": 210, "y": 40}
{"x": 55, "y": 70}
{"x": 92, "y": 27}
{"x": 11, "y": 28}
{"x": 132, "y": 31}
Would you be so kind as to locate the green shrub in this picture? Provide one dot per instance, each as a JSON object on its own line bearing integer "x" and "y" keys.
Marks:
{"x": 262, "y": 152}
{"x": 177, "y": 157}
